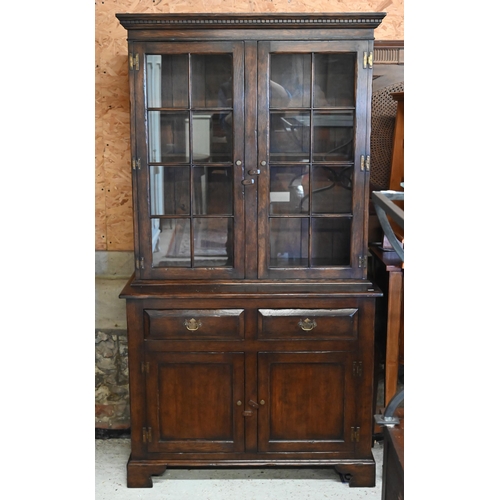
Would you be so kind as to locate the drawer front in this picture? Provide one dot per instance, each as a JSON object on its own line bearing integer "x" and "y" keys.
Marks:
{"x": 318, "y": 324}
{"x": 195, "y": 324}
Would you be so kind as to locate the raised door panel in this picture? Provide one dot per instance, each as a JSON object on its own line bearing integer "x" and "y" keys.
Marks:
{"x": 313, "y": 119}
{"x": 306, "y": 402}
{"x": 188, "y": 147}
{"x": 192, "y": 400}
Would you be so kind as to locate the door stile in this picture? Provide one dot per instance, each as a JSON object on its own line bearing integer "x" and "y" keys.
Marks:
{"x": 250, "y": 192}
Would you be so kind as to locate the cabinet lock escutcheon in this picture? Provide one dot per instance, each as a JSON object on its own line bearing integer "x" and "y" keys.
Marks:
{"x": 307, "y": 324}
{"x": 254, "y": 171}
{"x": 248, "y": 182}
{"x": 192, "y": 324}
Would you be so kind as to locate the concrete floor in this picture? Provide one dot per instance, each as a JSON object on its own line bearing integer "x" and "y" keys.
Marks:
{"x": 111, "y": 457}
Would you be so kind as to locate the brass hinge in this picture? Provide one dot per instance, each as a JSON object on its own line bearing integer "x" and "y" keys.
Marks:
{"x": 145, "y": 367}
{"x": 367, "y": 60}
{"x": 362, "y": 261}
{"x": 357, "y": 368}
{"x": 136, "y": 163}
{"x": 139, "y": 263}
{"x": 133, "y": 61}
{"x": 365, "y": 163}
{"x": 147, "y": 435}
{"x": 355, "y": 434}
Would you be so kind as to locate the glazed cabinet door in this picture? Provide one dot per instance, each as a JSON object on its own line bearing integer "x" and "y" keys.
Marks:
{"x": 306, "y": 402}
{"x": 188, "y": 159}
{"x": 313, "y": 102}
{"x": 193, "y": 400}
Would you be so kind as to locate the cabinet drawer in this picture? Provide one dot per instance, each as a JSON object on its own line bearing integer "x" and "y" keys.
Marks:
{"x": 197, "y": 324}
{"x": 315, "y": 324}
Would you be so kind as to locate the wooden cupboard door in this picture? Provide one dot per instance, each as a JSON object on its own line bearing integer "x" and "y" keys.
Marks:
{"x": 192, "y": 400}
{"x": 188, "y": 148}
{"x": 314, "y": 112}
{"x": 306, "y": 402}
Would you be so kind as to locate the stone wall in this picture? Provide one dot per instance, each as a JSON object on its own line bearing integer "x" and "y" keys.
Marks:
{"x": 112, "y": 409}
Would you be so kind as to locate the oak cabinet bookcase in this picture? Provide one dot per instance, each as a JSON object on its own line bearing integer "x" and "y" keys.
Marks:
{"x": 250, "y": 315}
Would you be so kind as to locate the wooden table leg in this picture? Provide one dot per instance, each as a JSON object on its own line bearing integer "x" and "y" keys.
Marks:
{"x": 394, "y": 305}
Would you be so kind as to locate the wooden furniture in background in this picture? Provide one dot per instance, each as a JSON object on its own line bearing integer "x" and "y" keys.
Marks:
{"x": 397, "y": 164}
{"x": 393, "y": 463}
{"x": 388, "y": 273}
{"x": 250, "y": 314}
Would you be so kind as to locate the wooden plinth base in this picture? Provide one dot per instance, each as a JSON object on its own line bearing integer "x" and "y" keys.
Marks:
{"x": 359, "y": 474}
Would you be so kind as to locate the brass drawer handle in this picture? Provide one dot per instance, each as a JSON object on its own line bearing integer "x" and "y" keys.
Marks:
{"x": 192, "y": 324}
{"x": 307, "y": 325}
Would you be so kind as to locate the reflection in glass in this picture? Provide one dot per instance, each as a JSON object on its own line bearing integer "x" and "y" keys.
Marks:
{"x": 211, "y": 80}
{"x": 202, "y": 136}
{"x": 167, "y": 81}
{"x": 168, "y": 136}
{"x": 169, "y": 190}
{"x": 333, "y": 136}
{"x": 171, "y": 242}
{"x": 331, "y": 240}
{"x": 213, "y": 242}
{"x": 289, "y": 190}
{"x": 213, "y": 191}
{"x": 332, "y": 190}
{"x": 289, "y": 136}
{"x": 290, "y": 84}
{"x": 289, "y": 242}
{"x": 334, "y": 80}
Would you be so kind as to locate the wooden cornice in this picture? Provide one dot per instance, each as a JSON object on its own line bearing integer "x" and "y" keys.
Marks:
{"x": 285, "y": 20}
{"x": 389, "y": 52}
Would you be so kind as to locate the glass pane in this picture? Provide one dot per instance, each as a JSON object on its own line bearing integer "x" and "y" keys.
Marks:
{"x": 169, "y": 190}
{"x": 334, "y": 80}
{"x": 332, "y": 190}
{"x": 213, "y": 242}
{"x": 331, "y": 240}
{"x": 171, "y": 242}
{"x": 212, "y": 80}
{"x": 289, "y": 136}
{"x": 167, "y": 81}
{"x": 289, "y": 190}
{"x": 289, "y": 242}
{"x": 202, "y": 136}
{"x": 333, "y": 136}
{"x": 290, "y": 84}
{"x": 168, "y": 135}
{"x": 221, "y": 146}
{"x": 213, "y": 190}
